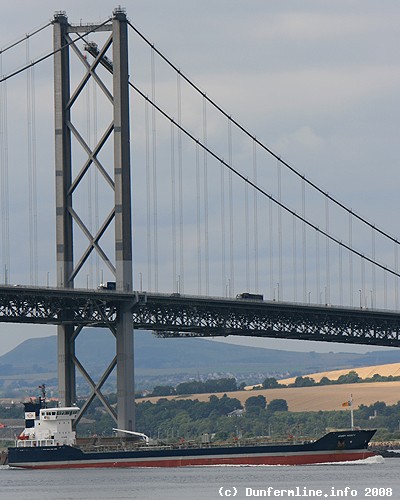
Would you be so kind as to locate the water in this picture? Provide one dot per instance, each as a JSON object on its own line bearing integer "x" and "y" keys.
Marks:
{"x": 371, "y": 479}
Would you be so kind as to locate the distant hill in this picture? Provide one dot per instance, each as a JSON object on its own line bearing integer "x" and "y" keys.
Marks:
{"x": 161, "y": 359}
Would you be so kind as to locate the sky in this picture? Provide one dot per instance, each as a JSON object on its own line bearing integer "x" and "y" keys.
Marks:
{"x": 318, "y": 82}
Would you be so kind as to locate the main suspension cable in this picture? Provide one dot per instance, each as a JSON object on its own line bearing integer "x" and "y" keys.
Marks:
{"x": 259, "y": 143}
{"x": 52, "y": 53}
{"x": 27, "y": 35}
{"x": 259, "y": 189}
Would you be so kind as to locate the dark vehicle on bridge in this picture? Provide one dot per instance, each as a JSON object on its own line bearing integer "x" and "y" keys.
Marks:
{"x": 110, "y": 285}
{"x": 250, "y": 296}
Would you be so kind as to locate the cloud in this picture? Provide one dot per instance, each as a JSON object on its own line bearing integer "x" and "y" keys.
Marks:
{"x": 303, "y": 138}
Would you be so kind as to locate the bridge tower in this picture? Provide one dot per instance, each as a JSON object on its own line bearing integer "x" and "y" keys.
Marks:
{"x": 69, "y": 260}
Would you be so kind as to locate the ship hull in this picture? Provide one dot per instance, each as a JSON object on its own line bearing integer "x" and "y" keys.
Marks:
{"x": 296, "y": 459}
{"x": 334, "y": 447}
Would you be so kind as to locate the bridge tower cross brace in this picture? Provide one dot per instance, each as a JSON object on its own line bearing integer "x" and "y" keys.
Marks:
{"x": 68, "y": 265}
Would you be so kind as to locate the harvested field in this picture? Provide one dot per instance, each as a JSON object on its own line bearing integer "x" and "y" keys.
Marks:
{"x": 318, "y": 398}
{"x": 363, "y": 372}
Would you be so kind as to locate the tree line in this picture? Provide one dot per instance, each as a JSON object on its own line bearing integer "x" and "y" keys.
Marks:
{"x": 226, "y": 419}
{"x": 198, "y": 387}
{"x": 230, "y": 384}
{"x": 349, "y": 378}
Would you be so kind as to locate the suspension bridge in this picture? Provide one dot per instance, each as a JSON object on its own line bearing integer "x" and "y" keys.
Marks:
{"x": 210, "y": 233}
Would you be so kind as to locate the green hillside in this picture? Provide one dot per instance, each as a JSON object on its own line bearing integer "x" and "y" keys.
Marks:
{"x": 176, "y": 357}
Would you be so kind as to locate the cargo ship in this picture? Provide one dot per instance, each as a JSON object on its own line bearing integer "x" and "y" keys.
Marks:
{"x": 49, "y": 442}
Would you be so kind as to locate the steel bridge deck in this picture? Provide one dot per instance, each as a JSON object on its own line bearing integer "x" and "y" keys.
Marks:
{"x": 172, "y": 315}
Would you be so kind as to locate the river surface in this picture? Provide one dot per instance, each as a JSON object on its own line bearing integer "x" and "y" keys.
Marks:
{"x": 374, "y": 478}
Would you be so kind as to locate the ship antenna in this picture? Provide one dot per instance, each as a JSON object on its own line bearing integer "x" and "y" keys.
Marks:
{"x": 43, "y": 398}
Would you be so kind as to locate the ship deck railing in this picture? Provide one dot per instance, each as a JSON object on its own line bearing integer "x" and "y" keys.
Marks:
{"x": 123, "y": 446}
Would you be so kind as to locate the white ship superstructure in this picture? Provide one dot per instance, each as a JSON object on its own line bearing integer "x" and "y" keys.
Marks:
{"x": 53, "y": 427}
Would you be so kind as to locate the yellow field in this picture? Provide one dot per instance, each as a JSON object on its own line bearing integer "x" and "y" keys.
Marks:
{"x": 328, "y": 397}
{"x": 364, "y": 372}
{"x": 325, "y": 398}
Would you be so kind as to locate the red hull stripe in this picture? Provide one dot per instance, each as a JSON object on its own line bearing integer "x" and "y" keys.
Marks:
{"x": 290, "y": 459}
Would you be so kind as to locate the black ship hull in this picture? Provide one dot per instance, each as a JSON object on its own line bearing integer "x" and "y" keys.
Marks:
{"x": 333, "y": 447}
